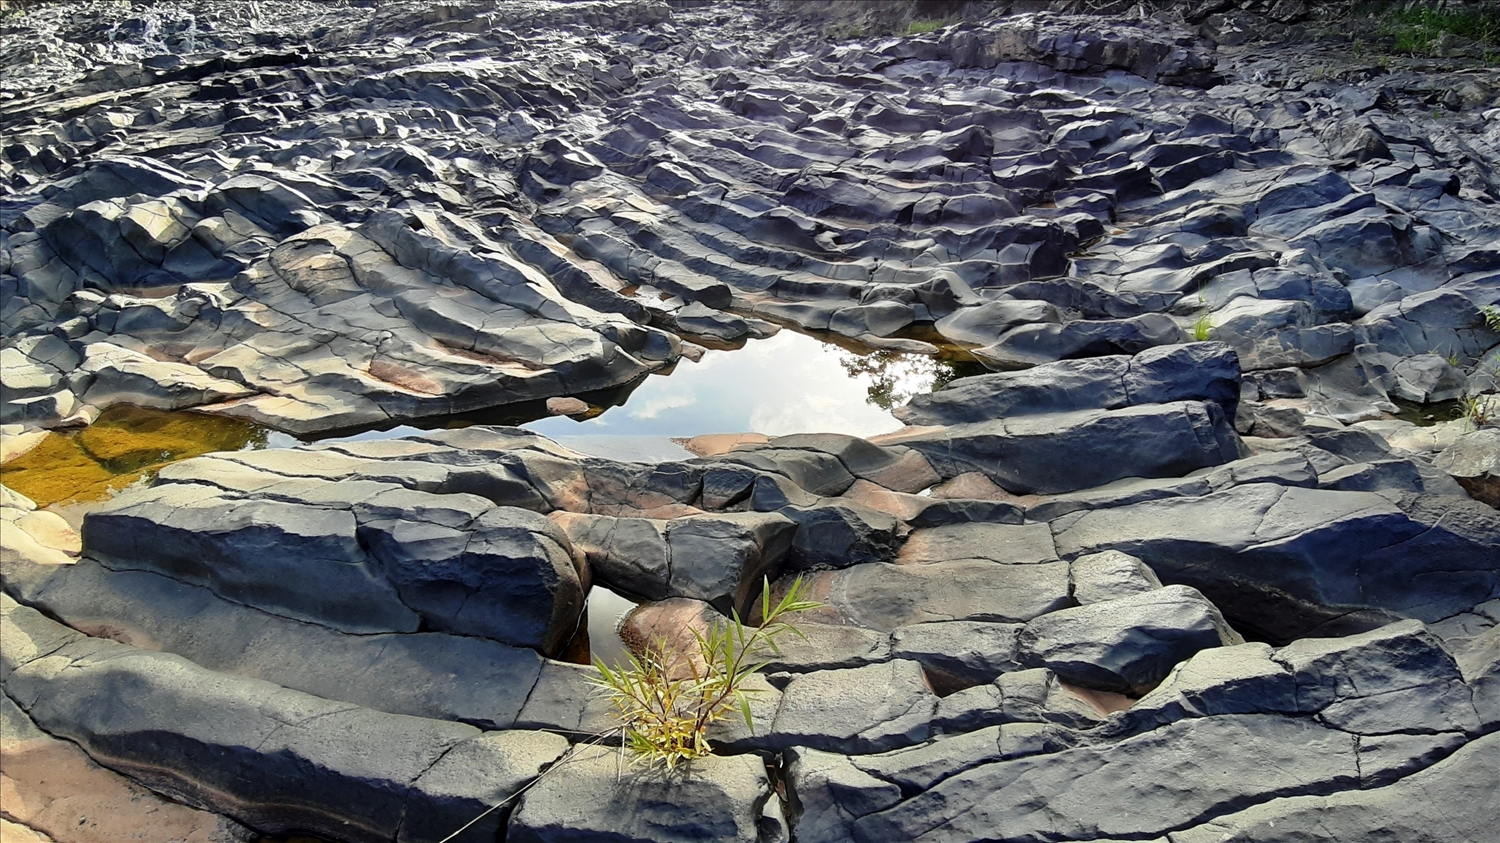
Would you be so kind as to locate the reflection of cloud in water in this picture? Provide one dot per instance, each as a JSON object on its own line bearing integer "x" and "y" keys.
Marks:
{"x": 816, "y": 413}
{"x": 790, "y": 383}
{"x": 659, "y": 404}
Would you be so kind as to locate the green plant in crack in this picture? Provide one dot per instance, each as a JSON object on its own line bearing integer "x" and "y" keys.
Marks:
{"x": 1491, "y": 316}
{"x": 667, "y": 698}
{"x": 1203, "y": 328}
{"x": 1474, "y": 410}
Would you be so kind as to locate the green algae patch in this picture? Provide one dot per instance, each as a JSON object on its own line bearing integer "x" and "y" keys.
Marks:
{"x": 123, "y": 446}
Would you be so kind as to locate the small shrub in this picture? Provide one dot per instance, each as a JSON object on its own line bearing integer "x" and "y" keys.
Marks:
{"x": 666, "y": 699}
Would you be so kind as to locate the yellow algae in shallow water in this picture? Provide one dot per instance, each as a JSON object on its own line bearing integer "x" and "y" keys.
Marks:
{"x": 126, "y": 439}
{"x": 122, "y": 446}
{"x": 58, "y": 470}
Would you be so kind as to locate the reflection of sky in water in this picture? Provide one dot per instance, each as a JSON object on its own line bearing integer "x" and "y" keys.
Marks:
{"x": 606, "y": 610}
{"x": 790, "y": 383}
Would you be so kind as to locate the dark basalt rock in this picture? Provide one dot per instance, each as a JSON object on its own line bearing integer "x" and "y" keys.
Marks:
{"x": 325, "y": 216}
{"x": 1127, "y": 644}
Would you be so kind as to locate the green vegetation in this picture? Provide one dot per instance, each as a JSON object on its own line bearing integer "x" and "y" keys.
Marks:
{"x": 1421, "y": 31}
{"x": 1474, "y": 410}
{"x": 1491, "y": 316}
{"x": 918, "y": 27}
{"x": 666, "y": 699}
{"x": 1203, "y": 329}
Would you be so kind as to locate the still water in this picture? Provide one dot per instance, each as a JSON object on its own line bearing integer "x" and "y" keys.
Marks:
{"x": 788, "y": 383}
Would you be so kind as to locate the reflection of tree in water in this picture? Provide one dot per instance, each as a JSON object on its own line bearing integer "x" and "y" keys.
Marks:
{"x": 895, "y": 377}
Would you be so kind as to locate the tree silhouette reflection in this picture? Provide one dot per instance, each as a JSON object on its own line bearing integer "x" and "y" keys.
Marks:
{"x": 893, "y": 378}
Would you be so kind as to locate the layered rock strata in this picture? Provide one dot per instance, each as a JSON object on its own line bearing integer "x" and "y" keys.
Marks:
{"x": 1124, "y": 587}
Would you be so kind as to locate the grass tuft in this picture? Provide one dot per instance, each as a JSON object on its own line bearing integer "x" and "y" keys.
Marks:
{"x": 1203, "y": 329}
{"x": 1474, "y": 410}
{"x": 667, "y": 699}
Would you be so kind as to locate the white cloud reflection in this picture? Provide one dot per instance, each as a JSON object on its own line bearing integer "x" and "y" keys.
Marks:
{"x": 790, "y": 383}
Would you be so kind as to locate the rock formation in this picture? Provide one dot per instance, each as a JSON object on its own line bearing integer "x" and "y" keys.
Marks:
{"x": 1171, "y": 571}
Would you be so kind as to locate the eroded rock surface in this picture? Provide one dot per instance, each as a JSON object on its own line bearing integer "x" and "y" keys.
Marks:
{"x": 1034, "y": 597}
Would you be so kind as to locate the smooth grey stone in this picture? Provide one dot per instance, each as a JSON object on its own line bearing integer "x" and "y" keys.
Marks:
{"x": 425, "y": 674}
{"x": 713, "y": 798}
{"x": 721, "y": 559}
{"x": 832, "y": 792}
{"x": 1311, "y": 556}
{"x": 1398, "y": 678}
{"x": 277, "y": 760}
{"x": 858, "y": 710}
{"x": 1092, "y": 790}
{"x": 1237, "y": 679}
{"x": 1474, "y": 461}
{"x": 1004, "y": 544}
{"x": 1451, "y": 800}
{"x": 961, "y": 652}
{"x": 1065, "y": 452}
{"x": 882, "y": 596}
{"x": 1128, "y": 644}
{"x": 1110, "y": 574}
